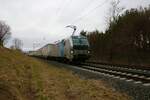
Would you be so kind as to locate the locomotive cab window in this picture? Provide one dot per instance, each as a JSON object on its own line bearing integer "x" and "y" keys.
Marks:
{"x": 80, "y": 42}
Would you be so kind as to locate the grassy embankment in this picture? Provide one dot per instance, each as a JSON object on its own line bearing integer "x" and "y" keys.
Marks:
{"x": 26, "y": 78}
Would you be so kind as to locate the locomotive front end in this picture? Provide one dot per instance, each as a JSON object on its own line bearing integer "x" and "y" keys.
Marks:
{"x": 80, "y": 48}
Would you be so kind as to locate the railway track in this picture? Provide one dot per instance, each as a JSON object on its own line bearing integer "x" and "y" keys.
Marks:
{"x": 137, "y": 75}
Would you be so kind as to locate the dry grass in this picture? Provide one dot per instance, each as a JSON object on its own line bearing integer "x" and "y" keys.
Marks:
{"x": 26, "y": 78}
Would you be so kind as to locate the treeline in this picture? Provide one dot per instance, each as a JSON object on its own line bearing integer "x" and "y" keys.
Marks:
{"x": 127, "y": 39}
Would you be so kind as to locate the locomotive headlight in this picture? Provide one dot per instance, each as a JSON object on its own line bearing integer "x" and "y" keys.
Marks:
{"x": 88, "y": 51}
{"x": 71, "y": 51}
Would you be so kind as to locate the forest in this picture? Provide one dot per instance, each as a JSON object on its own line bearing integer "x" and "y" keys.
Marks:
{"x": 125, "y": 41}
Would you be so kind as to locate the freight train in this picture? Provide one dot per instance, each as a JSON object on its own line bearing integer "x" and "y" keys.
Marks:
{"x": 74, "y": 48}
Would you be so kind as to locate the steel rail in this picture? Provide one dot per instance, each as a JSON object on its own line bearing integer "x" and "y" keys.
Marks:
{"x": 136, "y": 75}
{"x": 138, "y": 71}
{"x": 131, "y": 66}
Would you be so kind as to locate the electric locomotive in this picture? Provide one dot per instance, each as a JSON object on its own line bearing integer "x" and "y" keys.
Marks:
{"x": 75, "y": 48}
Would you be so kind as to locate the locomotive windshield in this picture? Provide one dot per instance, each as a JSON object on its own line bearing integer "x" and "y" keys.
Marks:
{"x": 80, "y": 42}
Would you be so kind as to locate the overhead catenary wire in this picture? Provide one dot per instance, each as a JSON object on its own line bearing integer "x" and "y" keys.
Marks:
{"x": 63, "y": 4}
{"x": 62, "y": 7}
{"x": 86, "y": 14}
{"x": 90, "y": 3}
{"x": 59, "y": 7}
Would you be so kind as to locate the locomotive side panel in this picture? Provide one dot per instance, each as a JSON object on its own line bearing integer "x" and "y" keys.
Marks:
{"x": 54, "y": 50}
{"x": 61, "y": 49}
{"x": 67, "y": 50}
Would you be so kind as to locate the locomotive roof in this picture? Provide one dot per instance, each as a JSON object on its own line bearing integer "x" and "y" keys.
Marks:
{"x": 81, "y": 36}
{"x": 45, "y": 46}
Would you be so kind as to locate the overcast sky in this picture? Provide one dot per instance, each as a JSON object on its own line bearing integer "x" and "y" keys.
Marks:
{"x": 43, "y": 21}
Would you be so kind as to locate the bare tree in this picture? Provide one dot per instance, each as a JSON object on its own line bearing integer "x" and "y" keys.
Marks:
{"x": 113, "y": 15}
{"x": 114, "y": 11}
{"x": 17, "y": 44}
{"x": 83, "y": 33}
{"x": 4, "y": 32}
